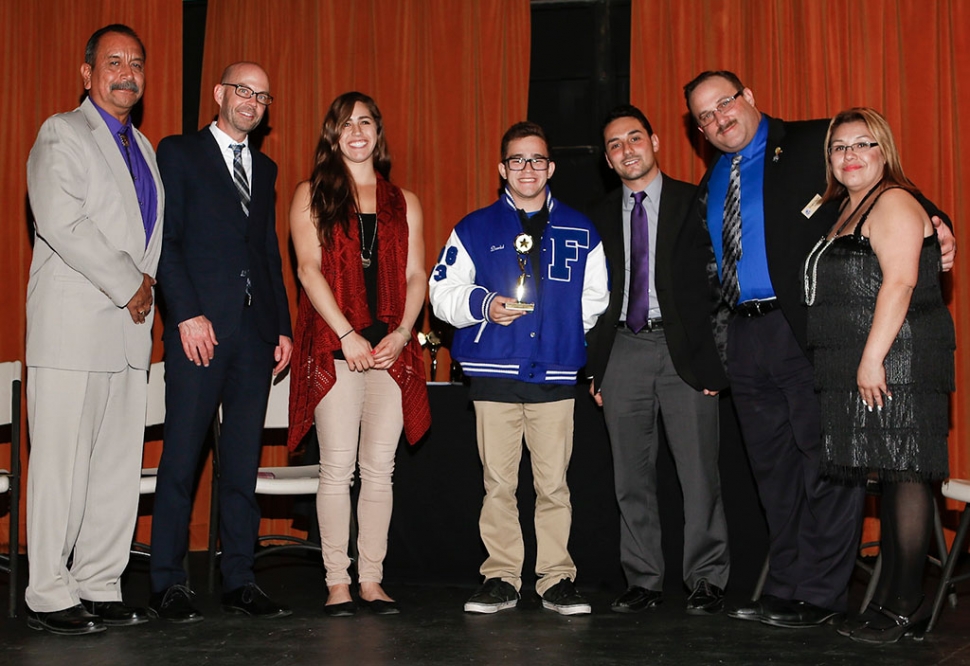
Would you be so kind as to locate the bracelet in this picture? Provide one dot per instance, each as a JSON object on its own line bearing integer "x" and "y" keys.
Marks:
{"x": 346, "y": 334}
{"x": 404, "y": 332}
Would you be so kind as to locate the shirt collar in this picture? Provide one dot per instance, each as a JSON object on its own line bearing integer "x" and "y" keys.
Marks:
{"x": 653, "y": 192}
{"x": 114, "y": 125}
{"x": 755, "y": 147}
{"x": 224, "y": 140}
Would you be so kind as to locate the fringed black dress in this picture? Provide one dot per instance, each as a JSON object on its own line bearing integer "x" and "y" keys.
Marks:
{"x": 906, "y": 441}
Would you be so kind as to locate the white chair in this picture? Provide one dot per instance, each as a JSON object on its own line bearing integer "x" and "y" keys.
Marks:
{"x": 959, "y": 490}
{"x": 154, "y": 416}
{"x": 11, "y": 374}
{"x": 290, "y": 480}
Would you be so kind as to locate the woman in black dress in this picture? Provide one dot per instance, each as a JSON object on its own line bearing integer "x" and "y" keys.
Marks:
{"x": 882, "y": 341}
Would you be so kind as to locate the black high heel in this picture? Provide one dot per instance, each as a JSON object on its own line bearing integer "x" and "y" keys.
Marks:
{"x": 913, "y": 626}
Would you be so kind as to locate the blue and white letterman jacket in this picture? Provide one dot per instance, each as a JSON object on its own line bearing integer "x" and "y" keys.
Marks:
{"x": 479, "y": 262}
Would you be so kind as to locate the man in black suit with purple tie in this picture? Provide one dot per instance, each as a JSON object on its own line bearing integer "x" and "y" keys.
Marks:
{"x": 227, "y": 332}
{"x": 640, "y": 370}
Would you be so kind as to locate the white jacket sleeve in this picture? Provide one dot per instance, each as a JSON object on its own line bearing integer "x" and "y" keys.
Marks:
{"x": 455, "y": 298}
{"x": 596, "y": 292}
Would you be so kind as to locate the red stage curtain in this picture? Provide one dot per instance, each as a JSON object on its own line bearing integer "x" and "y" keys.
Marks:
{"x": 810, "y": 59}
{"x": 449, "y": 78}
{"x": 41, "y": 60}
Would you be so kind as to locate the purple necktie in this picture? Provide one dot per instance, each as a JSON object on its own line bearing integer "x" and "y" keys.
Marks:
{"x": 638, "y": 306}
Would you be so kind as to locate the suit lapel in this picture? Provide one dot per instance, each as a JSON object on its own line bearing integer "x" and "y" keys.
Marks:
{"x": 217, "y": 165}
{"x": 119, "y": 170}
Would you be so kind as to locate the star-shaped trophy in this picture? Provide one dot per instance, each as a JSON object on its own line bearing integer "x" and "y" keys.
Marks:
{"x": 523, "y": 245}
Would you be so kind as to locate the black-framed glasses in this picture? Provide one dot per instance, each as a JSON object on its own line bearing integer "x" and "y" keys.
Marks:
{"x": 518, "y": 163}
{"x": 706, "y": 118}
{"x": 245, "y": 92}
{"x": 857, "y": 147}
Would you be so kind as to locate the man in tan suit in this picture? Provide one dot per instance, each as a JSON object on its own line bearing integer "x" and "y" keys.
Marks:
{"x": 97, "y": 201}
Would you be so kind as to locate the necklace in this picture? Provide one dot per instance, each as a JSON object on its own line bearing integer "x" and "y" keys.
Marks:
{"x": 365, "y": 255}
{"x": 810, "y": 270}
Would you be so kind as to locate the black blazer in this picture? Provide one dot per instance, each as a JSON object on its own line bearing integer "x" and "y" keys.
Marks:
{"x": 794, "y": 174}
{"x": 209, "y": 241}
{"x": 675, "y": 199}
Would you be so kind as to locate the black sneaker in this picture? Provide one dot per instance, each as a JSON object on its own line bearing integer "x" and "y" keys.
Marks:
{"x": 494, "y": 595}
{"x": 565, "y": 600}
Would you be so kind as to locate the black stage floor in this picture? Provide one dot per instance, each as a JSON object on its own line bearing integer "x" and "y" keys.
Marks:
{"x": 432, "y": 629}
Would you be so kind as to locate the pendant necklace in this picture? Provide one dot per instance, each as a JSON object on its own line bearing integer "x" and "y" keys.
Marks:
{"x": 365, "y": 259}
{"x": 810, "y": 268}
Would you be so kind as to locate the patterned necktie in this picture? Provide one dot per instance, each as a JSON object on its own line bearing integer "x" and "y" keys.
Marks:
{"x": 638, "y": 306}
{"x": 239, "y": 175}
{"x": 731, "y": 237}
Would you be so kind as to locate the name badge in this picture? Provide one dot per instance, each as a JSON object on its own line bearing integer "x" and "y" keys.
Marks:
{"x": 812, "y": 206}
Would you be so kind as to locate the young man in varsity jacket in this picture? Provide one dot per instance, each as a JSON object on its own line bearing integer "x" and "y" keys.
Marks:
{"x": 523, "y": 280}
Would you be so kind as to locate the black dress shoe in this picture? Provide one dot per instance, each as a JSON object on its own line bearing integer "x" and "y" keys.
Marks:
{"x": 174, "y": 605}
{"x": 800, "y": 615}
{"x": 706, "y": 599}
{"x": 115, "y": 613}
{"x": 71, "y": 621}
{"x": 756, "y": 610}
{"x": 345, "y": 609}
{"x": 252, "y": 601}
{"x": 636, "y": 599}
{"x": 381, "y": 607}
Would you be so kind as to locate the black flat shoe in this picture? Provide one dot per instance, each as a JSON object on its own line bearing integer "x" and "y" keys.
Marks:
{"x": 913, "y": 626}
{"x": 73, "y": 621}
{"x": 116, "y": 613}
{"x": 381, "y": 607}
{"x": 345, "y": 609}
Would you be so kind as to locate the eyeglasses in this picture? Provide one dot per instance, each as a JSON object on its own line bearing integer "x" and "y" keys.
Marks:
{"x": 263, "y": 98}
{"x": 518, "y": 163}
{"x": 706, "y": 118}
{"x": 857, "y": 147}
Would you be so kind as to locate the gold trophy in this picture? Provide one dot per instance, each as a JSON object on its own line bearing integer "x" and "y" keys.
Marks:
{"x": 523, "y": 245}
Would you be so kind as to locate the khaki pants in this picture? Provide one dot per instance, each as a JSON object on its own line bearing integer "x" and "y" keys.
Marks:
{"x": 358, "y": 421}
{"x": 548, "y": 431}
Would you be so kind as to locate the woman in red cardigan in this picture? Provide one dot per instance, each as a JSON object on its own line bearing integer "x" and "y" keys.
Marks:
{"x": 358, "y": 372}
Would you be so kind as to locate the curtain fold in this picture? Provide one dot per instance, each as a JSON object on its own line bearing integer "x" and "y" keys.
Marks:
{"x": 43, "y": 49}
{"x": 810, "y": 59}
{"x": 449, "y": 78}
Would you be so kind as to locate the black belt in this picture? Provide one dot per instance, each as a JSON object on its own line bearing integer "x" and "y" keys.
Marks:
{"x": 755, "y": 308}
{"x": 650, "y": 325}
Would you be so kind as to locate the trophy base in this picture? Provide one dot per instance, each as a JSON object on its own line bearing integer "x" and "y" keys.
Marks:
{"x": 521, "y": 307}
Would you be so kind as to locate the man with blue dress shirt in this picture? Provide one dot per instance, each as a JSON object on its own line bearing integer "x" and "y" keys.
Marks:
{"x": 739, "y": 282}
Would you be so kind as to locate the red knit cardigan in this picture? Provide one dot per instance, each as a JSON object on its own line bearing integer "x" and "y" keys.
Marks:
{"x": 312, "y": 367}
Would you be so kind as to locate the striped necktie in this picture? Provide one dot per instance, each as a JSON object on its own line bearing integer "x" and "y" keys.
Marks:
{"x": 239, "y": 176}
{"x": 731, "y": 237}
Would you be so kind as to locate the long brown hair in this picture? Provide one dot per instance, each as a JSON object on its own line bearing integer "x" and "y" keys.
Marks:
{"x": 332, "y": 200}
{"x": 878, "y": 126}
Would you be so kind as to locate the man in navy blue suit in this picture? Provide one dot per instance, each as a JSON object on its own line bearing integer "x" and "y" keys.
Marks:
{"x": 227, "y": 331}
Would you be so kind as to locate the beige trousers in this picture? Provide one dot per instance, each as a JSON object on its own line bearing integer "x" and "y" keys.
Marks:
{"x": 548, "y": 431}
{"x": 86, "y": 435}
{"x": 359, "y": 422}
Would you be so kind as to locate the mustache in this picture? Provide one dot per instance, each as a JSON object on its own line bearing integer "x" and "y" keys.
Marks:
{"x": 724, "y": 128}
{"x": 126, "y": 85}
